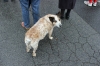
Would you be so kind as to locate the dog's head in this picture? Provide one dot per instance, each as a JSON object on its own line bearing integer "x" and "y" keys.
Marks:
{"x": 56, "y": 21}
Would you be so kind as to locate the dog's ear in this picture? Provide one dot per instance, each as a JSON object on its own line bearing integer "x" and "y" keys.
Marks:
{"x": 58, "y": 14}
{"x": 52, "y": 19}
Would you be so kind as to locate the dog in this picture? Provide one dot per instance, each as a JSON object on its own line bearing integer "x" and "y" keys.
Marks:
{"x": 38, "y": 31}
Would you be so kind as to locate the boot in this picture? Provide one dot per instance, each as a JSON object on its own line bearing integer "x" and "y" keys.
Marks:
{"x": 67, "y": 15}
{"x": 62, "y": 13}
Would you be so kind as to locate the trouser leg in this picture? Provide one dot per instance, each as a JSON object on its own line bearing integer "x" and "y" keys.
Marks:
{"x": 62, "y": 13}
{"x": 25, "y": 12}
{"x": 95, "y": 1}
{"x": 90, "y": 1}
{"x": 35, "y": 10}
{"x": 68, "y": 14}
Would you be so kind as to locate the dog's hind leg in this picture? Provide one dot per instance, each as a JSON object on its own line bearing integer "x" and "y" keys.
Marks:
{"x": 28, "y": 46}
{"x": 50, "y": 33}
{"x": 34, "y": 46}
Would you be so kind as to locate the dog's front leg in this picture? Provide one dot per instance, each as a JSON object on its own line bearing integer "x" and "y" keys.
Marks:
{"x": 50, "y": 33}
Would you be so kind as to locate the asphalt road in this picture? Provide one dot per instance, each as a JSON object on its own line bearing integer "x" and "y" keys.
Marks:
{"x": 76, "y": 43}
{"x": 90, "y": 14}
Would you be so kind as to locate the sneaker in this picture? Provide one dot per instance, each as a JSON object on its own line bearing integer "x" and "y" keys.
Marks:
{"x": 94, "y": 4}
{"x": 87, "y": 3}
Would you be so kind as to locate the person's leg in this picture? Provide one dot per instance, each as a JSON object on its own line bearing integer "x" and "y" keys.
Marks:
{"x": 95, "y": 3}
{"x": 29, "y": 3}
{"x": 90, "y": 1}
{"x": 62, "y": 13}
{"x": 35, "y": 10}
{"x": 67, "y": 15}
{"x": 25, "y": 12}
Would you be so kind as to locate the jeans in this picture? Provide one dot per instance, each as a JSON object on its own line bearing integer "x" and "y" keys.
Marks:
{"x": 25, "y": 5}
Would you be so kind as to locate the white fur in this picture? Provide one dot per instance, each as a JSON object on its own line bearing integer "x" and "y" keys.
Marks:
{"x": 39, "y": 31}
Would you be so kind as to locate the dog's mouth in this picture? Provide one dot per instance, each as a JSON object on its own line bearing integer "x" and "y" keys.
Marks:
{"x": 60, "y": 26}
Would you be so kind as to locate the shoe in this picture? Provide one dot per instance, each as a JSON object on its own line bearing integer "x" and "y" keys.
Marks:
{"x": 67, "y": 17}
{"x": 95, "y": 4}
{"x": 22, "y": 24}
{"x": 87, "y": 3}
{"x": 62, "y": 17}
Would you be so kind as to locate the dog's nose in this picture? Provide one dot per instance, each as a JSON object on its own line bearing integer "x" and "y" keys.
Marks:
{"x": 60, "y": 25}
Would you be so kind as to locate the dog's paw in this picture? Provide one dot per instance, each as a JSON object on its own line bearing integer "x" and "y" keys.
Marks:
{"x": 34, "y": 54}
{"x": 27, "y": 50}
{"x": 51, "y": 38}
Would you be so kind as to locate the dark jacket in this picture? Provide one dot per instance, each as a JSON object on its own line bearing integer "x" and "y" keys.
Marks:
{"x": 66, "y": 4}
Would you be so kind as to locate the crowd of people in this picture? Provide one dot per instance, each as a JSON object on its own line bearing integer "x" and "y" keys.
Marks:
{"x": 25, "y": 4}
{"x": 62, "y": 5}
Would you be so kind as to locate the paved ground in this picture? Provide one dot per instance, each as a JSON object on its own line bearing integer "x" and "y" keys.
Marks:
{"x": 90, "y": 14}
{"x": 76, "y": 43}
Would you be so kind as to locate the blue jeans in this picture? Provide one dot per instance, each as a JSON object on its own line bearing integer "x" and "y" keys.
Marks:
{"x": 25, "y": 5}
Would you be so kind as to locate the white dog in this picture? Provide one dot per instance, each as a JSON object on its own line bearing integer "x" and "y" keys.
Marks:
{"x": 37, "y": 32}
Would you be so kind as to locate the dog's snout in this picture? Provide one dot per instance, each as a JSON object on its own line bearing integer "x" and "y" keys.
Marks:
{"x": 60, "y": 25}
